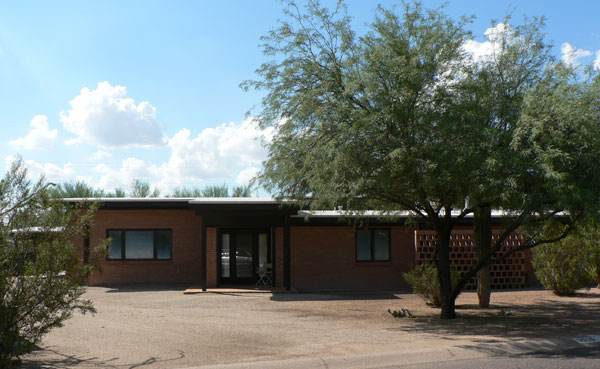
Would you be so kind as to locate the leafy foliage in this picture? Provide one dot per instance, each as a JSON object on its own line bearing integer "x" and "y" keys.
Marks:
{"x": 564, "y": 266}
{"x": 425, "y": 283}
{"x": 78, "y": 189}
{"x": 241, "y": 191}
{"x": 216, "y": 191}
{"x": 403, "y": 118}
{"x": 142, "y": 189}
{"x": 41, "y": 269}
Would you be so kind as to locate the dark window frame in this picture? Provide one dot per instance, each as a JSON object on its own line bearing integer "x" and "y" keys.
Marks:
{"x": 372, "y": 245}
{"x": 154, "y": 243}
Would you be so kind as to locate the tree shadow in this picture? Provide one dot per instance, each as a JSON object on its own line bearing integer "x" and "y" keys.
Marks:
{"x": 59, "y": 360}
{"x": 112, "y": 288}
{"x": 546, "y": 319}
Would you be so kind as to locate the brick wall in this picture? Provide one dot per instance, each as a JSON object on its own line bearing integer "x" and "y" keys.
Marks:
{"x": 211, "y": 257}
{"x": 512, "y": 273}
{"x": 186, "y": 263}
{"x": 325, "y": 258}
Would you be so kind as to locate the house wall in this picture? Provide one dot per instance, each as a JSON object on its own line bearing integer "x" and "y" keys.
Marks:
{"x": 211, "y": 257}
{"x": 186, "y": 263}
{"x": 325, "y": 258}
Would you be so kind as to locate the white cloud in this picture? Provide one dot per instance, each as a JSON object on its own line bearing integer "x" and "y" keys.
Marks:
{"x": 570, "y": 54}
{"x": 130, "y": 168}
{"x": 244, "y": 177}
{"x": 99, "y": 155}
{"x": 106, "y": 117}
{"x": 39, "y": 136}
{"x": 230, "y": 151}
{"x": 485, "y": 51}
{"x": 597, "y": 61}
{"x": 217, "y": 152}
{"x": 51, "y": 171}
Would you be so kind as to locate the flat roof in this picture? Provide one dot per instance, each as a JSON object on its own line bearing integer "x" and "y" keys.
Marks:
{"x": 190, "y": 200}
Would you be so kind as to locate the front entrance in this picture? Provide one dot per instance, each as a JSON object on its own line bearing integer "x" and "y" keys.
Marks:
{"x": 243, "y": 254}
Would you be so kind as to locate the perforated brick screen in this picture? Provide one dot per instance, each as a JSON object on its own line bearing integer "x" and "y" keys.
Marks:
{"x": 510, "y": 273}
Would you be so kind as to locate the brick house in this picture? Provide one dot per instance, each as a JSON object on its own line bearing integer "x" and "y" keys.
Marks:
{"x": 214, "y": 242}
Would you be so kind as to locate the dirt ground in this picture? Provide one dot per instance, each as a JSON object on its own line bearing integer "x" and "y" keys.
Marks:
{"x": 163, "y": 328}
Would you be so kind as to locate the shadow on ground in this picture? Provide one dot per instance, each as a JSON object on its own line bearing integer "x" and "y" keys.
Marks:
{"x": 67, "y": 361}
{"x": 144, "y": 288}
{"x": 546, "y": 319}
{"x": 336, "y": 295}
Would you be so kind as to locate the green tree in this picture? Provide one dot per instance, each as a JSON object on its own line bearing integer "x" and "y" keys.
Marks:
{"x": 187, "y": 192}
{"x": 215, "y": 191}
{"x": 388, "y": 121}
{"x": 241, "y": 191}
{"x": 495, "y": 85}
{"x": 119, "y": 192}
{"x": 41, "y": 270}
{"x": 78, "y": 189}
{"x": 142, "y": 189}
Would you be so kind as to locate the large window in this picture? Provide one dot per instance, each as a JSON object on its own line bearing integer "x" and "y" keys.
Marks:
{"x": 139, "y": 244}
{"x": 372, "y": 245}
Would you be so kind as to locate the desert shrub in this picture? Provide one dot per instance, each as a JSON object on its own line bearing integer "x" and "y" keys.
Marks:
{"x": 424, "y": 281}
{"x": 41, "y": 270}
{"x": 564, "y": 266}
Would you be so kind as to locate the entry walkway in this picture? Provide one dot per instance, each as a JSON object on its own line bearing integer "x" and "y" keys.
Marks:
{"x": 235, "y": 289}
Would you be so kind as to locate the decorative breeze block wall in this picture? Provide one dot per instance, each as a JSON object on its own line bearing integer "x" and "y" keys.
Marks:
{"x": 511, "y": 273}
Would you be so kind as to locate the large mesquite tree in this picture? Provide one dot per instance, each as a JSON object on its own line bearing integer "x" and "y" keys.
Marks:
{"x": 393, "y": 120}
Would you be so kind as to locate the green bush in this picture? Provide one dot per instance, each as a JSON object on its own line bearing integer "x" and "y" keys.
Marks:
{"x": 564, "y": 266}
{"x": 425, "y": 283}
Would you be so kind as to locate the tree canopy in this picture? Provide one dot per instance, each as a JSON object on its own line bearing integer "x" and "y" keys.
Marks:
{"x": 405, "y": 117}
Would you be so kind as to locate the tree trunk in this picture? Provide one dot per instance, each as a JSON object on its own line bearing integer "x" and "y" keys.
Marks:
{"x": 483, "y": 243}
{"x": 443, "y": 264}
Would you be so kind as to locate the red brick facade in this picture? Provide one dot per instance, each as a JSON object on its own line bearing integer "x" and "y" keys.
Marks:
{"x": 321, "y": 257}
{"x": 325, "y": 258}
{"x": 211, "y": 257}
{"x": 186, "y": 263}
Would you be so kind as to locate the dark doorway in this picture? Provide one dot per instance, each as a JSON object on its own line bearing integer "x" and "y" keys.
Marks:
{"x": 241, "y": 255}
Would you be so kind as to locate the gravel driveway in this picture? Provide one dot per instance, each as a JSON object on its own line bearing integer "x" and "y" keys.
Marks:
{"x": 167, "y": 329}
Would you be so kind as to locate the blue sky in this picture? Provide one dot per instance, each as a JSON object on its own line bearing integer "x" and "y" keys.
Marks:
{"x": 107, "y": 91}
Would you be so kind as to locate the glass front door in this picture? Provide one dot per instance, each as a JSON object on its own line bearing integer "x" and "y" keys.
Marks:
{"x": 241, "y": 254}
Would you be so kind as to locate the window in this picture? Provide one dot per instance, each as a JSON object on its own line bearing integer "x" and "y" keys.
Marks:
{"x": 139, "y": 244}
{"x": 373, "y": 245}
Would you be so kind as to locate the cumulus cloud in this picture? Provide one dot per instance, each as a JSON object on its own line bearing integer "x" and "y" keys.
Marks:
{"x": 39, "y": 136}
{"x": 122, "y": 177}
{"x": 51, "y": 171}
{"x": 571, "y": 55}
{"x": 107, "y": 118}
{"x": 99, "y": 155}
{"x": 597, "y": 61}
{"x": 485, "y": 51}
{"x": 217, "y": 152}
{"x": 246, "y": 175}
{"x": 230, "y": 151}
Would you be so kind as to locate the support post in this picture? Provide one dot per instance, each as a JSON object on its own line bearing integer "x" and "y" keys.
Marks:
{"x": 203, "y": 254}
{"x": 287, "y": 254}
{"x": 274, "y": 256}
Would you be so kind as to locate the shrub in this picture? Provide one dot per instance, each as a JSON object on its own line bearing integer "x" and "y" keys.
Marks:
{"x": 40, "y": 265}
{"x": 425, "y": 283}
{"x": 564, "y": 266}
